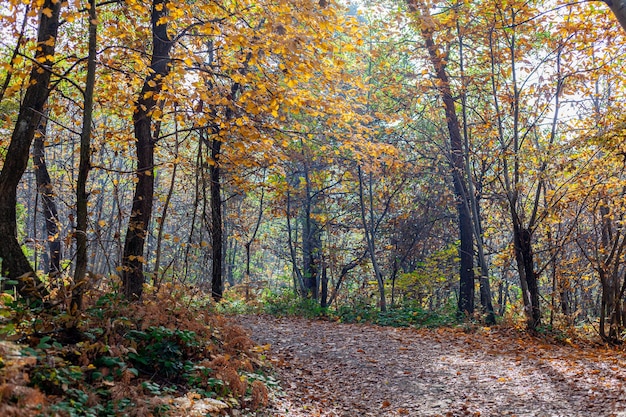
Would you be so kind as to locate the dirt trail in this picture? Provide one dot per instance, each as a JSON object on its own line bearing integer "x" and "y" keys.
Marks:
{"x": 333, "y": 369}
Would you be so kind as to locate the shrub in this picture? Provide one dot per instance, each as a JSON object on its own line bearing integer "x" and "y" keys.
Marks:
{"x": 162, "y": 351}
{"x": 403, "y": 316}
{"x": 287, "y": 303}
{"x": 120, "y": 358}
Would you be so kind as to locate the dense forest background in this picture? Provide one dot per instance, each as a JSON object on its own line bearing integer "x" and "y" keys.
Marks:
{"x": 441, "y": 155}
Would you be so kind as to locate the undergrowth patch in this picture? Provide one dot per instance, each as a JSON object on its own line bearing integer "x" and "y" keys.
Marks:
{"x": 170, "y": 354}
{"x": 286, "y": 303}
{"x": 402, "y": 316}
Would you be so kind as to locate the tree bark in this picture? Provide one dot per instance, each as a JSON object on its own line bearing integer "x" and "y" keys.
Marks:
{"x": 344, "y": 272}
{"x": 141, "y": 212}
{"x": 369, "y": 238}
{"x": 157, "y": 277}
{"x": 217, "y": 225}
{"x": 311, "y": 251}
{"x": 473, "y": 198}
{"x": 311, "y": 241}
{"x": 324, "y": 285}
{"x": 466, "y": 248}
{"x": 217, "y": 286}
{"x": 84, "y": 165}
{"x": 15, "y": 265}
{"x": 298, "y": 275}
{"x": 618, "y": 7}
{"x": 257, "y": 224}
{"x": 45, "y": 189}
{"x": 198, "y": 180}
{"x": 608, "y": 266}
{"x": 522, "y": 238}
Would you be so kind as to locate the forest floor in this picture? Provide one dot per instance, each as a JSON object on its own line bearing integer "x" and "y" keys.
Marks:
{"x": 333, "y": 369}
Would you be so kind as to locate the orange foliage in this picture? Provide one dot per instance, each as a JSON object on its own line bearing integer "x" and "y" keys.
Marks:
{"x": 259, "y": 395}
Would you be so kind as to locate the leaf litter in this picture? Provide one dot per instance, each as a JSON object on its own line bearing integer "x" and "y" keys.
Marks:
{"x": 331, "y": 369}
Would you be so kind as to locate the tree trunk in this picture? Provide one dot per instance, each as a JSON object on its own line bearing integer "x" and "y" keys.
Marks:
{"x": 83, "y": 168}
{"x": 344, "y": 272}
{"x": 466, "y": 248}
{"x": 257, "y": 224}
{"x": 298, "y": 277}
{"x": 232, "y": 250}
{"x": 217, "y": 225}
{"x": 311, "y": 238}
{"x": 485, "y": 285}
{"x": 157, "y": 277}
{"x": 324, "y": 282}
{"x": 528, "y": 277}
{"x": 141, "y": 212}
{"x": 473, "y": 198}
{"x": 466, "y": 253}
{"x": 618, "y": 7}
{"x": 311, "y": 247}
{"x": 612, "y": 244}
{"x": 217, "y": 286}
{"x": 15, "y": 265}
{"x": 369, "y": 238}
{"x": 44, "y": 187}
{"x": 198, "y": 190}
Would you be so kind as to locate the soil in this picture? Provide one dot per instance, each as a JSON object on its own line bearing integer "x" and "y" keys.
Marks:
{"x": 333, "y": 369}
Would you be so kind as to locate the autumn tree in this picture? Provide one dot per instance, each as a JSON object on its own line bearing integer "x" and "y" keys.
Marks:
{"x": 15, "y": 265}
{"x": 438, "y": 58}
{"x": 525, "y": 115}
{"x": 146, "y": 134}
{"x": 82, "y": 213}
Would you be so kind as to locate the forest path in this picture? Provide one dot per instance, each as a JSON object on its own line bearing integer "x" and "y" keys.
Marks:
{"x": 333, "y": 369}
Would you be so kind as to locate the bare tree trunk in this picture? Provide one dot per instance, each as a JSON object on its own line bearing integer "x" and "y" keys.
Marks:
{"x": 522, "y": 239}
{"x": 344, "y": 271}
{"x": 217, "y": 286}
{"x": 156, "y": 278}
{"x": 612, "y": 245}
{"x": 83, "y": 169}
{"x": 141, "y": 212}
{"x": 255, "y": 231}
{"x": 311, "y": 253}
{"x": 198, "y": 179}
{"x": 298, "y": 276}
{"x": 457, "y": 164}
{"x": 485, "y": 285}
{"x": 618, "y": 7}
{"x": 369, "y": 238}
{"x": 51, "y": 216}
{"x": 15, "y": 265}
{"x": 324, "y": 285}
{"x": 473, "y": 199}
{"x": 311, "y": 232}
{"x": 230, "y": 261}
{"x": 217, "y": 225}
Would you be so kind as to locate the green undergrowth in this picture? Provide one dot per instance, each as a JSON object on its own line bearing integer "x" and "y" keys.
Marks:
{"x": 286, "y": 303}
{"x": 160, "y": 357}
{"x": 399, "y": 316}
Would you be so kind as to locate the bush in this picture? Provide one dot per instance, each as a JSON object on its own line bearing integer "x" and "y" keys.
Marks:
{"x": 234, "y": 306}
{"x": 162, "y": 351}
{"x": 397, "y": 317}
{"x": 120, "y": 358}
{"x": 287, "y": 303}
